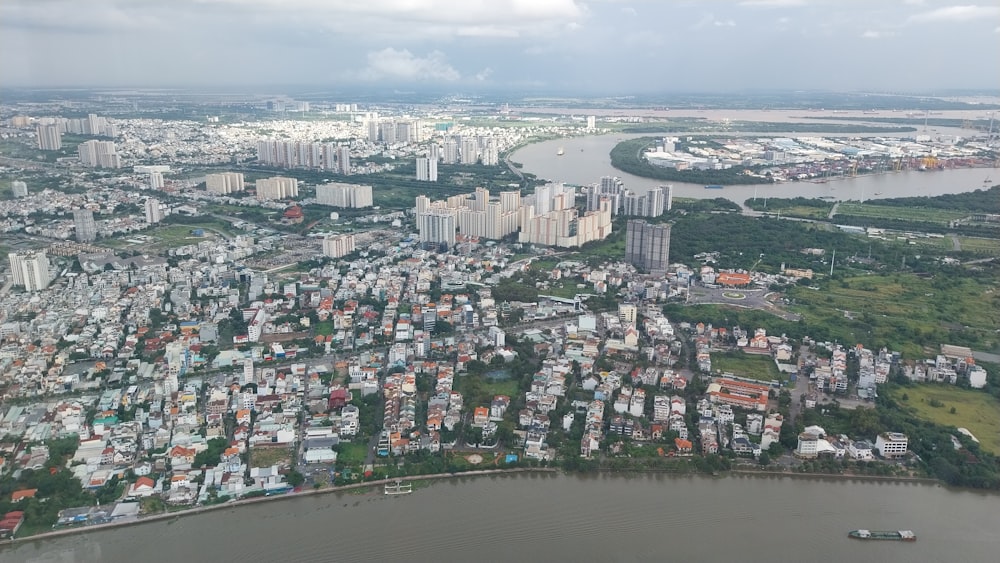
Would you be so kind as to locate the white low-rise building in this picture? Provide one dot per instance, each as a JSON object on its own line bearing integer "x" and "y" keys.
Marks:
{"x": 891, "y": 445}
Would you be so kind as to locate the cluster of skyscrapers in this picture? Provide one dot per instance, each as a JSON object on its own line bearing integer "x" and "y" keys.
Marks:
{"x": 457, "y": 150}
{"x": 49, "y": 130}
{"x": 100, "y": 154}
{"x": 392, "y": 131}
{"x": 297, "y": 154}
{"x": 653, "y": 203}
{"x": 351, "y": 196}
{"x": 547, "y": 217}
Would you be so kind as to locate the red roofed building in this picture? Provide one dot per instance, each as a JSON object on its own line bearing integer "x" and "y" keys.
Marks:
{"x": 22, "y": 494}
{"x": 338, "y": 398}
{"x": 733, "y": 279}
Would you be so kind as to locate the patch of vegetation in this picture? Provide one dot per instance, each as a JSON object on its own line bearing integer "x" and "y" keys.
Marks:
{"x": 976, "y": 411}
{"x": 268, "y": 456}
{"x": 747, "y": 365}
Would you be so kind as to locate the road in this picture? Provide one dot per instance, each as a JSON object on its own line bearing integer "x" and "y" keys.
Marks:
{"x": 800, "y": 389}
{"x": 751, "y": 299}
{"x": 833, "y": 210}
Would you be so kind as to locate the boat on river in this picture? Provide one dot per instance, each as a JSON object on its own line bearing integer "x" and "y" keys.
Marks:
{"x": 560, "y": 152}
{"x": 713, "y": 187}
{"x": 891, "y": 535}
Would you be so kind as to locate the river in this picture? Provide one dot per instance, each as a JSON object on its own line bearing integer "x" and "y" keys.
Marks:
{"x": 587, "y": 159}
{"x": 553, "y": 517}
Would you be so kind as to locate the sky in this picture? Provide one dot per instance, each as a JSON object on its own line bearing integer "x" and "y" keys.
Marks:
{"x": 571, "y": 46}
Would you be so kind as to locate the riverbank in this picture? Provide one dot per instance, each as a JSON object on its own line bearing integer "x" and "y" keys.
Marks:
{"x": 256, "y": 500}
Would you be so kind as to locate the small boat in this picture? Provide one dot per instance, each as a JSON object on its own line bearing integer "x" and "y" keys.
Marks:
{"x": 713, "y": 187}
{"x": 987, "y": 180}
{"x": 560, "y": 152}
{"x": 891, "y": 535}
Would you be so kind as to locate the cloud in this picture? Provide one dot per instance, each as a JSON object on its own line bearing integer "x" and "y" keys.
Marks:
{"x": 402, "y": 65}
{"x": 955, "y": 14}
{"x": 872, "y": 34}
{"x": 416, "y": 18}
{"x": 772, "y": 3}
{"x": 484, "y": 74}
{"x": 709, "y": 20}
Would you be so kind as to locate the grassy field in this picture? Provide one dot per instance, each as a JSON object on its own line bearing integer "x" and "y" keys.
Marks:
{"x": 171, "y": 236}
{"x": 804, "y": 211}
{"x": 902, "y": 311}
{"x": 989, "y": 246}
{"x": 266, "y": 456}
{"x": 323, "y": 328}
{"x": 746, "y": 365}
{"x": 352, "y": 454}
{"x": 913, "y": 214}
{"x": 974, "y": 410}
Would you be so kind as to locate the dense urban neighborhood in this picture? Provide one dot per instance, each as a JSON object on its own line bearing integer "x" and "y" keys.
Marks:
{"x": 294, "y": 297}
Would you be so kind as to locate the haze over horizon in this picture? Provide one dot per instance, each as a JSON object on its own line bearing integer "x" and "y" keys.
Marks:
{"x": 580, "y": 46}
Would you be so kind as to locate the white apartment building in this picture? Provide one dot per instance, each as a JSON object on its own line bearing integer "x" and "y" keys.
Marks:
{"x": 49, "y": 137}
{"x": 30, "y": 269}
{"x": 891, "y": 445}
{"x": 278, "y": 187}
{"x": 225, "y": 183}
{"x": 338, "y": 246}
{"x": 427, "y": 169}
{"x": 337, "y": 194}
{"x": 154, "y": 211}
{"x": 156, "y": 180}
{"x": 18, "y": 188}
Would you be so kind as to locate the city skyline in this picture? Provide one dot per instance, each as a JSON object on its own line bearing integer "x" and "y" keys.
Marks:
{"x": 556, "y": 45}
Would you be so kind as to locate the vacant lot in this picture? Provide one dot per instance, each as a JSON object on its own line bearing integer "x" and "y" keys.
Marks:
{"x": 746, "y": 365}
{"x": 267, "y": 456}
{"x": 903, "y": 311}
{"x": 974, "y": 410}
{"x": 913, "y": 214}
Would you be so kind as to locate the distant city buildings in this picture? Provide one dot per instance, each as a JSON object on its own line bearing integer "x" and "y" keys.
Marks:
{"x": 352, "y": 196}
{"x": 647, "y": 246}
{"x": 591, "y": 122}
{"x": 427, "y": 169}
{"x": 86, "y": 227}
{"x": 154, "y": 211}
{"x": 30, "y": 269}
{"x": 99, "y": 154}
{"x": 49, "y": 137}
{"x": 297, "y": 154}
{"x": 225, "y": 183}
{"x": 278, "y": 187}
{"x": 650, "y": 204}
{"x": 338, "y": 246}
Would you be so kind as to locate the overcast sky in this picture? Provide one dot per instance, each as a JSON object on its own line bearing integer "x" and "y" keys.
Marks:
{"x": 585, "y": 46}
